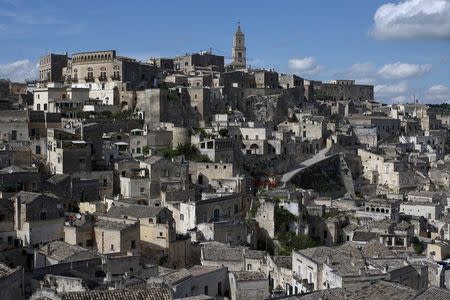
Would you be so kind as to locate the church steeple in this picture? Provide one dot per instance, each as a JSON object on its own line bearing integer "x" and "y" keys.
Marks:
{"x": 239, "y": 50}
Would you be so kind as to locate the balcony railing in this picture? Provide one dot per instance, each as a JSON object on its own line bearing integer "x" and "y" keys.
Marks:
{"x": 89, "y": 79}
{"x": 115, "y": 77}
{"x": 74, "y": 79}
{"x": 102, "y": 78}
{"x": 297, "y": 277}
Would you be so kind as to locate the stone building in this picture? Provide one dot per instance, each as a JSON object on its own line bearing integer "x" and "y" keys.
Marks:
{"x": 14, "y": 126}
{"x": 38, "y": 218}
{"x": 239, "y": 52}
{"x": 266, "y": 79}
{"x": 113, "y": 235}
{"x": 157, "y": 226}
{"x": 11, "y": 282}
{"x": 248, "y": 285}
{"x": 203, "y": 60}
{"x": 216, "y": 207}
{"x": 51, "y": 67}
{"x": 101, "y": 67}
{"x": 343, "y": 90}
{"x": 289, "y": 81}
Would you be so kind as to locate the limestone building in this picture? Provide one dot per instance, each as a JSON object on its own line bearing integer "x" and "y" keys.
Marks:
{"x": 51, "y": 67}
{"x": 239, "y": 50}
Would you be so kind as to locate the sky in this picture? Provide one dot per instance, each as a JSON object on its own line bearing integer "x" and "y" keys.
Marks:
{"x": 402, "y": 47}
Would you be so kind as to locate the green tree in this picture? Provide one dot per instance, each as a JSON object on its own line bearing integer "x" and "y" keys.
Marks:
{"x": 223, "y": 132}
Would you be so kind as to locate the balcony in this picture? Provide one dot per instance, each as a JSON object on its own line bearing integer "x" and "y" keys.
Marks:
{"x": 75, "y": 79}
{"x": 102, "y": 78}
{"x": 89, "y": 79}
{"x": 297, "y": 277}
{"x": 115, "y": 77}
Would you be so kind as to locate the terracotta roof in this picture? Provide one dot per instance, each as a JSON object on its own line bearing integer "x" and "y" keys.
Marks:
{"x": 434, "y": 293}
{"x": 331, "y": 294}
{"x": 249, "y": 276}
{"x": 125, "y": 294}
{"x": 136, "y": 211}
{"x": 382, "y": 290}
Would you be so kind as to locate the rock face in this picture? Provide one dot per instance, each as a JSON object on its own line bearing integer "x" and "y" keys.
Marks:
{"x": 274, "y": 108}
{"x": 330, "y": 177}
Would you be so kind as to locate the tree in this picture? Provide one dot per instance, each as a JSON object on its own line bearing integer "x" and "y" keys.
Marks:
{"x": 223, "y": 132}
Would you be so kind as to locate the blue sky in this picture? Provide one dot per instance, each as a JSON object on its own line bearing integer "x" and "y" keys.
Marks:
{"x": 402, "y": 47}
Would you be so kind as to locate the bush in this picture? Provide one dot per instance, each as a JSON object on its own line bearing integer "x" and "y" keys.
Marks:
{"x": 189, "y": 151}
{"x": 290, "y": 241}
{"x": 223, "y": 132}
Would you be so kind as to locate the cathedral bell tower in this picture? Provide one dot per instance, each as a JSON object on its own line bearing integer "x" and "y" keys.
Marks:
{"x": 239, "y": 51}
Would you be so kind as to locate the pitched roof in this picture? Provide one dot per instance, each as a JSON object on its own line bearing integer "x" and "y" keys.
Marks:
{"x": 57, "y": 178}
{"x": 376, "y": 249}
{"x": 331, "y": 294}
{"x": 113, "y": 225}
{"x": 64, "y": 252}
{"x": 254, "y": 254}
{"x": 248, "y": 276}
{"x": 5, "y": 270}
{"x": 364, "y": 236}
{"x": 221, "y": 252}
{"x": 434, "y": 293}
{"x": 176, "y": 276}
{"x": 28, "y": 197}
{"x": 120, "y": 294}
{"x": 136, "y": 211}
{"x": 283, "y": 261}
{"x": 382, "y": 290}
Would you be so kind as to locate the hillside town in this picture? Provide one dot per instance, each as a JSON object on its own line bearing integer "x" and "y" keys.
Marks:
{"x": 202, "y": 177}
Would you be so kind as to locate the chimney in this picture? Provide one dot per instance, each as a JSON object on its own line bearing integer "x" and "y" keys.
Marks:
{"x": 17, "y": 209}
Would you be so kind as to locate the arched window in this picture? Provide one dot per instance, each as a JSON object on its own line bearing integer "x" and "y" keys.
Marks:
{"x": 216, "y": 214}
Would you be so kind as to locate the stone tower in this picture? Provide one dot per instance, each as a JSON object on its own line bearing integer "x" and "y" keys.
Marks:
{"x": 239, "y": 51}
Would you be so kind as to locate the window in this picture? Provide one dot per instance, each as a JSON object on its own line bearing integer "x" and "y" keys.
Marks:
{"x": 160, "y": 234}
{"x": 14, "y": 135}
{"x": 38, "y": 149}
{"x": 38, "y": 107}
{"x": 112, "y": 247}
{"x": 43, "y": 215}
{"x": 89, "y": 243}
{"x": 133, "y": 244}
{"x": 181, "y": 217}
{"x": 206, "y": 290}
{"x": 141, "y": 190}
{"x": 249, "y": 267}
{"x": 236, "y": 208}
{"x": 45, "y": 106}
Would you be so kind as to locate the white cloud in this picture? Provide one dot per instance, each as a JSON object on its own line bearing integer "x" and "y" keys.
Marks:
{"x": 402, "y": 70}
{"x": 19, "y": 70}
{"x": 306, "y": 65}
{"x": 438, "y": 92}
{"x": 413, "y": 19}
{"x": 361, "y": 69}
{"x": 362, "y": 73}
{"x": 391, "y": 89}
{"x": 399, "y": 99}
